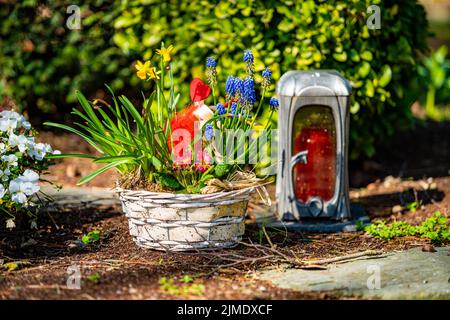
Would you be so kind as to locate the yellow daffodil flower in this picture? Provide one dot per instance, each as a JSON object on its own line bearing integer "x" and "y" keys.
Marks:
{"x": 165, "y": 53}
{"x": 257, "y": 128}
{"x": 143, "y": 69}
{"x": 153, "y": 73}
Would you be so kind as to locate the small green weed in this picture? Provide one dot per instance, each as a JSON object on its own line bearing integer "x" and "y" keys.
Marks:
{"x": 413, "y": 206}
{"x": 434, "y": 228}
{"x": 360, "y": 225}
{"x": 91, "y": 237}
{"x": 185, "y": 289}
{"x": 94, "y": 277}
{"x": 186, "y": 279}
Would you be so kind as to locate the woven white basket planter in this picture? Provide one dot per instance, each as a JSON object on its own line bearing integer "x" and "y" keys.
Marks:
{"x": 182, "y": 222}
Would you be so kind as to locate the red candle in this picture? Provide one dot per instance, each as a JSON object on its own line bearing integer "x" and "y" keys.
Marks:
{"x": 317, "y": 177}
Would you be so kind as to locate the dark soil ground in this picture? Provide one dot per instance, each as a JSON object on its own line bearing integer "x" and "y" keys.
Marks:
{"x": 412, "y": 167}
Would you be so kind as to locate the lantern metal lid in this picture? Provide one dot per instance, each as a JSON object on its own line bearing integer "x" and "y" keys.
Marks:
{"x": 323, "y": 83}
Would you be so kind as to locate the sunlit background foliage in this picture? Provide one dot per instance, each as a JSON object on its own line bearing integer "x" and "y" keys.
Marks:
{"x": 42, "y": 62}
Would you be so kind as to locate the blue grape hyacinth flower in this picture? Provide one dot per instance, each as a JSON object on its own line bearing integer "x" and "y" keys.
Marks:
{"x": 230, "y": 86}
{"x": 249, "y": 91}
{"x": 266, "y": 73}
{"x": 211, "y": 62}
{"x": 220, "y": 108}
{"x": 274, "y": 103}
{"x": 249, "y": 59}
{"x": 248, "y": 56}
{"x": 209, "y": 132}
{"x": 239, "y": 87}
{"x": 211, "y": 73}
{"x": 233, "y": 108}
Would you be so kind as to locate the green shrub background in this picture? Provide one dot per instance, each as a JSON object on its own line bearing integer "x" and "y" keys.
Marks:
{"x": 42, "y": 62}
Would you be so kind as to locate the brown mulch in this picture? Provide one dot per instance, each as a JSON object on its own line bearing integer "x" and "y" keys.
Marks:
{"x": 115, "y": 268}
{"x": 128, "y": 272}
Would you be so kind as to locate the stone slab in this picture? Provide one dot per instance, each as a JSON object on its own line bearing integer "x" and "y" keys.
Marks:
{"x": 410, "y": 274}
{"x": 67, "y": 198}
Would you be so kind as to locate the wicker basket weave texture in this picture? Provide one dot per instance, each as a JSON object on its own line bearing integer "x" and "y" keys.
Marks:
{"x": 179, "y": 222}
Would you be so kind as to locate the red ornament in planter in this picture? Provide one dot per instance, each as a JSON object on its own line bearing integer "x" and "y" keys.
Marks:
{"x": 186, "y": 119}
{"x": 199, "y": 91}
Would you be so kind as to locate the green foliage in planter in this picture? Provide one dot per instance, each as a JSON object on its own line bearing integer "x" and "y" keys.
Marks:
{"x": 381, "y": 64}
{"x": 143, "y": 143}
{"x": 434, "y": 228}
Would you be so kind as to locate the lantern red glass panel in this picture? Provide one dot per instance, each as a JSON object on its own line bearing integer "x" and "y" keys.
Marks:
{"x": 314, "y": 131}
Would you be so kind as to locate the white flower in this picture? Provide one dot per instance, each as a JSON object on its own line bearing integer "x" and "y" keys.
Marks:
{"x": 20, "y": 142}
{"x": 29, "y": 176}
{"x": 48, "y": 148}
{"x": 17, "y": 140}
{"x": 8, "y": 114}
{"x": 26, "y": 125}
{"x": 18, "y": 151}
{"x": 10, "y": 120}
{"x": 24, "y": 186}
{"x": 19, "y": 197}
{"x": 31, "y": 145}
{"x": 12, "y": 115}
{"x": 38, "y": 151}
{"x": 4, "y": 175}
{"x": 2, "y": 191}
{"x": 10, "y": 159}
{"x": 10, "y": 224}
{"x": 7, "y": 125}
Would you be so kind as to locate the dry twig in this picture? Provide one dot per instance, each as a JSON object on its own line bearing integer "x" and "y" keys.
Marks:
{"x": 345, "y": 258}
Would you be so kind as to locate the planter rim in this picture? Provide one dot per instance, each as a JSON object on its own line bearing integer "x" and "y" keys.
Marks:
{"x": 185, "y": 196}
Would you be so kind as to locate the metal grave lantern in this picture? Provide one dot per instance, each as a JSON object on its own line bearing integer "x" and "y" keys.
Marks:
{"x": 313, "y": 122}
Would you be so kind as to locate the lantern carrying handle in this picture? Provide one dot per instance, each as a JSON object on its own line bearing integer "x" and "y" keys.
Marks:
{"x": 302, "y": 157}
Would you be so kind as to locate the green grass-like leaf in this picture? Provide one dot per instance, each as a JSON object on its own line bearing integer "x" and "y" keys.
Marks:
{"x": 101, "y": 170}
{"x": 70, "y": 155}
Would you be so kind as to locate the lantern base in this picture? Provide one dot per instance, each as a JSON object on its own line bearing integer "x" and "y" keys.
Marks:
{"x": 316, "y": 225}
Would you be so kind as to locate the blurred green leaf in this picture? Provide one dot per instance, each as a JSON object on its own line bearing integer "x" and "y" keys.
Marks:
{"x": 366, "y": 55}
{"x": 386, "y": 76}
{"x": 42, "y": 62}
